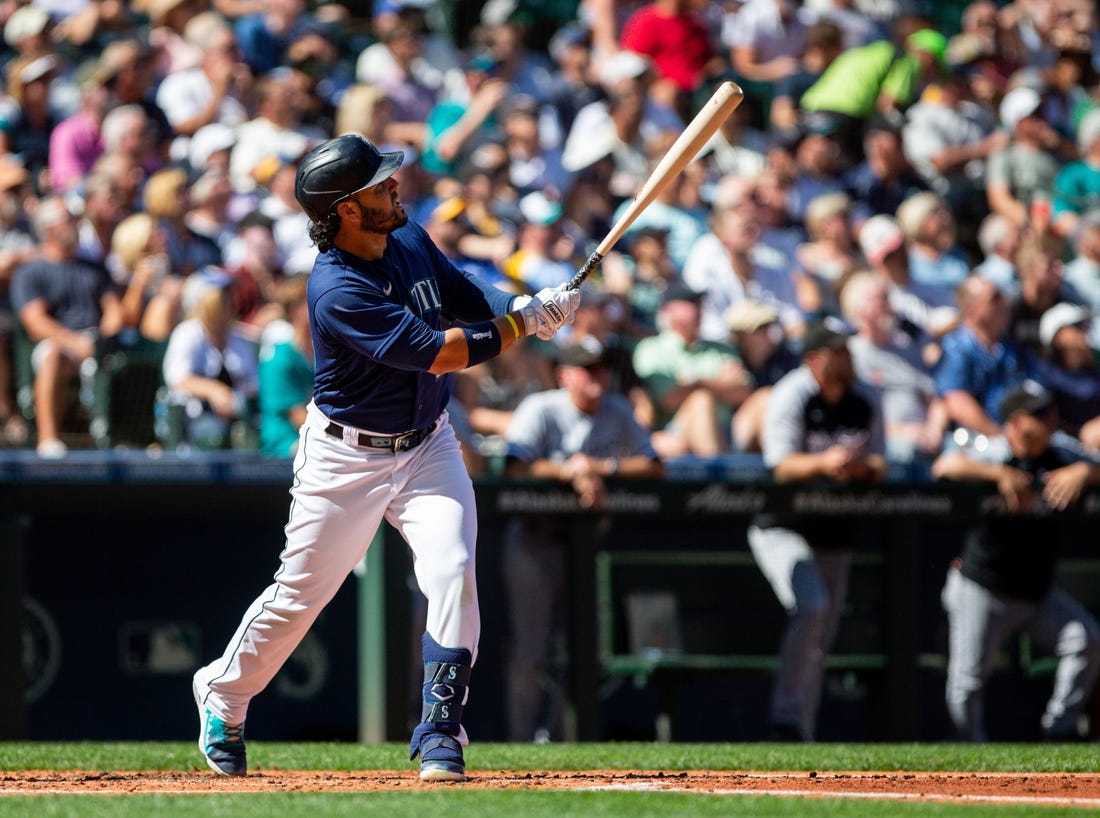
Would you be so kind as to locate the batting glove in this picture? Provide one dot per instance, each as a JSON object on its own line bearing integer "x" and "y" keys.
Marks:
{"x": 554, "y": 308}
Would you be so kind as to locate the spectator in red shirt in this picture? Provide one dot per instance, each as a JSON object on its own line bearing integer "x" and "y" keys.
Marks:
{"x": 672, "y": 35}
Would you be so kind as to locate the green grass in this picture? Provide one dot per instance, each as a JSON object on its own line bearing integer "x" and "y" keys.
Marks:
{"x": 614, "y": 756}
{"x": 454, "y": 802}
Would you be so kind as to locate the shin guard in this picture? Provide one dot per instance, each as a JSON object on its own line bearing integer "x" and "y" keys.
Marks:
{"x": 446, "y": 680}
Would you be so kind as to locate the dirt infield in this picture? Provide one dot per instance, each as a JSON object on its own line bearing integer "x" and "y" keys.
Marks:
{"x": 1047, "y": 789}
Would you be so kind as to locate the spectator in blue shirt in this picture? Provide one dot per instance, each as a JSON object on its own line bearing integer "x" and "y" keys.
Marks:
{"x": 980, "y": 362}
{"x": 286, "y": 376}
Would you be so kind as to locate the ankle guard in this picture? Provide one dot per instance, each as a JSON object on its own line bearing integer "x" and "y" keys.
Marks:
{"x": 446, "y": 681}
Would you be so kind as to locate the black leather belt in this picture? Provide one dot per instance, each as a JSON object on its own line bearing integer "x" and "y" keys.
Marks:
{"x": 392, "y": 443}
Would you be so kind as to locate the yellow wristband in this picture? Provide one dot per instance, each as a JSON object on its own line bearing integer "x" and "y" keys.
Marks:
{"x": 515, "y": 326}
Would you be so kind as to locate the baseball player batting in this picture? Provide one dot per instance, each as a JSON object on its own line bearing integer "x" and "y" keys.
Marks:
{"x": 377, "y": 445}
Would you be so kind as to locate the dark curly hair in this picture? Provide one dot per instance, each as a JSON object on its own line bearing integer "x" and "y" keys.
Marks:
{"x": 323, "y": 232}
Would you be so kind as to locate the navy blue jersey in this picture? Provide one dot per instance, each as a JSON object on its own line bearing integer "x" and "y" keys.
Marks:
{"x": 378, "y": 325}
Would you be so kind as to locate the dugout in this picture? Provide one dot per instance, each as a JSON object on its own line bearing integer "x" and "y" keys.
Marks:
{"x": 133, "y": 569}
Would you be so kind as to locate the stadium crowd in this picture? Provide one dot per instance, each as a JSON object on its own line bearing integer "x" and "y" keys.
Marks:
{"x": 933, "y": 194}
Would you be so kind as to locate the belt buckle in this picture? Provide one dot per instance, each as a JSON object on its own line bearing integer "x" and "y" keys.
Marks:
{"x": 402, "y": 443}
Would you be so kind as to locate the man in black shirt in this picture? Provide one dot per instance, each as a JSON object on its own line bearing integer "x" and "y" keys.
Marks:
{"x": 1004, "y": 582}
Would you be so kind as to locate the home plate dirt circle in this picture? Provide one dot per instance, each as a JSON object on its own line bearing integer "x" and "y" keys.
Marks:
{"x": 1046, "y": 789}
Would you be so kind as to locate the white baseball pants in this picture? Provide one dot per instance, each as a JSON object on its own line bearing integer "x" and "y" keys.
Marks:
{"x": 341, "y": 494}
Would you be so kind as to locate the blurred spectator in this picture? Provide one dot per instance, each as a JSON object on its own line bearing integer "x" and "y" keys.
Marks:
{"x": 543, "y": 257}
{"x": 455, "y": 128}
{"x": 276, "y": 129}
{"x": 998, "y": 239}
{"x": 168, "y": 21}
{"x": 581, "y": 435}
{"x": 930, "y": 228}
{"x": 881, "y": 181}
{"x": 757, "y": 335}
{"x": 928, "y": 311}
{"x": 364, "y": 109}
{"x": 818, "y": 163}
{"x": 17, "y": 246}
{"x": 532, "y": 166}
{"x": 257, "y": 274}
{"x": 1077, "y": 185}
{"x": 103, "y": 208}
{"x": 572, "y": 85}
{"x": 1025, "y": 170}
{"x": 890, "y": 362}
{"x": 640, "y": 275}
{"x": 526, "y": 70}
{"x": 28, "y": 31}
{"x": 694, "y": 384}
{"x": 622, "y": 126}
{"x": 29, "y": 119}
{"x": 447, "y": 230}
{"x": 126, "y": 130}
{"x": 1003, "y": 584}
{"x": 830, "y": 255}
{"x": 142, "y": 270}
{"x": 948, "y": 137}
{"x": 126, "y": 67}
{"x": 64, "y": 304}
{"x": 780, "y": 235}
{"x": 209, "y": 215}
{"x": 669, "y": 211}
{"x": 729, "y": 265}
{"x": 167, "y": 199}
{"x": 820, "y": 424}
{"x": 858, "y": 27}
{"x": 878, "y": 77}
{"x": 285, "y": 376}
{"x": 215, "y": 91}
{"x": 985, "y": 36}
{"x": 738, "y": 148}
{"x": 981, "y": 363}
{"x": 265, "y": 37}
{"x": 209, "y": 367}
{"x": 1068, "y": 368}
{"x": 823, "y": 45}
{"x": 1083, "y": 271}
{"x": 75, "y": 143}
{"x": 411, "y": 98}
{"x": 766, "y": 39}
{"x": 438, "y": 64}
{"x": 1039, "y": 266}
{"x": 672, "y": 35}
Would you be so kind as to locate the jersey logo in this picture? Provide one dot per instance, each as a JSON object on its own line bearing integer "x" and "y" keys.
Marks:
{"x": 387, "y": 289}
{"x": 425, "y": 294}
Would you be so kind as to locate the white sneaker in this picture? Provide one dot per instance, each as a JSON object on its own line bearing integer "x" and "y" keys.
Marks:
{"x": 52, "y": 449}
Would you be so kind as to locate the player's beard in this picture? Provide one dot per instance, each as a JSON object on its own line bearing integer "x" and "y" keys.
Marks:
{"x": 375, "y": 220}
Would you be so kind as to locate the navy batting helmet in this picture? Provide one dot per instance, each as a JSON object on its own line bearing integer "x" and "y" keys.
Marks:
{"x": 338, "y": 169}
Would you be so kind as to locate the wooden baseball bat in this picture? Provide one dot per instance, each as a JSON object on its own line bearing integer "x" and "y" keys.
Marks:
{"x": 683, "y": 151}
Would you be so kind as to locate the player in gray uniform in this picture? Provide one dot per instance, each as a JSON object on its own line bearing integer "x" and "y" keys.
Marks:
{"x": 579, "y": 434}
{"x": 390, "y": 317}
{"x": 1004, "y": 582}
{"x": 820, "y": 424}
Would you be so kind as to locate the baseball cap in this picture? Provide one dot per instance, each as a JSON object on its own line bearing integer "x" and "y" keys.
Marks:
{"x": 749, "y": 315}
{"x": 1029, "y": 397}
{"x": 1018, "y": 104}
{"x": 199, "y": 282}
{"x": 822, "y": 335}
{"x": 931, "y": 42}
{"x": 25, "y": 21}
{"x": 679, "y": 291}
{"x": 208, "y": 140}
{"x": 1059, "y": 316}
{"x": 537, "y": 208}
{"x": 585, "y": 352}
{"x": 880, "y": 236}
{"x": 623, "y": 65}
